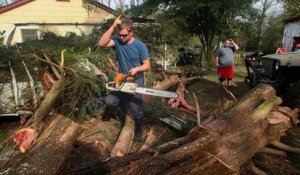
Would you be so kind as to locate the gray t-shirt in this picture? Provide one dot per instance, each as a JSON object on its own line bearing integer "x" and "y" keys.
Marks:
{"x": 225, "y": 55}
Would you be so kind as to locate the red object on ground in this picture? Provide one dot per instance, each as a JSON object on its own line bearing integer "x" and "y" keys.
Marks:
{"x": 180, "y": 101}
{"x": 24, "y": 138}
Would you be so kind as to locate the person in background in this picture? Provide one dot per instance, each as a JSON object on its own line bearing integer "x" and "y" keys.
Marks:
{"x": 224, "y": 61}
{"x": 281, "y": 49}
{"x": 133, "y": 59}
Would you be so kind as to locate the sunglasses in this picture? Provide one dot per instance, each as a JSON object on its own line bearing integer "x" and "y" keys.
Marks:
{"x": 124, "y": 36}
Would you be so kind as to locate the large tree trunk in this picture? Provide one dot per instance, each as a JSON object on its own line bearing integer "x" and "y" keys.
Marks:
{"x": 8, "y": 149}
{"x": 44, "y": 146}
{"x": 49, "y": 151}
{"x": 217, "y": 147}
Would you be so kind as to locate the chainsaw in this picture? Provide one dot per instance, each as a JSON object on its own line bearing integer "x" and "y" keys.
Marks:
{"x": 125, "y": 83}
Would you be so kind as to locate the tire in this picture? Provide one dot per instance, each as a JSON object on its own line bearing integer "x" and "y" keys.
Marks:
{"x": 251, "y": 80}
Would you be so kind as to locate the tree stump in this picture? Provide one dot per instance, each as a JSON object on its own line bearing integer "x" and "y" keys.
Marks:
{"x": 48, "y": 152}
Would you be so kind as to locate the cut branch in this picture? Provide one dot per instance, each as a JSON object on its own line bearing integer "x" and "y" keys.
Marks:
{"x": 273, "y": 151}
{"x": 31, "y": 82}
{"x": 124, "y": 141}
{"x": 149, "y": 141}
{"x": 198, "y": 110}
{"x": 252, "y": 168}
{"x": 180, "y": 101}
{"x": 286, "y": 147}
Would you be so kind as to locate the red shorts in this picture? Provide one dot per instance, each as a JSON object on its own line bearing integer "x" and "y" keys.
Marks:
{"x": 225, "y": 73}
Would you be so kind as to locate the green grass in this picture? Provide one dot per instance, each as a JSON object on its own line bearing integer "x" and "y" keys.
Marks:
{"x": 3, "y": 136}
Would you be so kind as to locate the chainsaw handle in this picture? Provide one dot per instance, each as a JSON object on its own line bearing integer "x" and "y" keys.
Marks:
{"x": 121, "y": 78}
{"x": 128, "y": 77}
{"x": 110, "y": 86}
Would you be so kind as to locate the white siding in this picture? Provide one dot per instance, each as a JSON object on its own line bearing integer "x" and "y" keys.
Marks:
{"x": 53, "y": 16}
{"x": 291, "y": 30}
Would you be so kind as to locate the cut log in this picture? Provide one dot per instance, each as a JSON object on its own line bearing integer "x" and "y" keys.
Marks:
{"x": 240, "y": 112}
{"x": 24, "y": 138}
{"x": 106, "y": 166}
{"x": 174, "y": 80}
{"x": 180, "y": 101}
{"x": 124, "y": 141}
{"x": 8, "y": 150}
{"x": 223, "y": 145}
{"x": 231, "y": 150}
{"x": 167, "y": 83}
{"x": 149, "y": 141}
{"x": 49, "y": 151}
{"x": 47, "y": 103}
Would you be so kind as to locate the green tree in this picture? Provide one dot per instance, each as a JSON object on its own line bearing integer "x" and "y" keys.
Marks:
{"x": 273, "y": 34}
{"x": 210, "y": 20}
{"x": 264, "y": 7}
{"x": 291, "y": 8}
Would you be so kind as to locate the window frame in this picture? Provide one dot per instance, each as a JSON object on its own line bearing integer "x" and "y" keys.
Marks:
{"x": 35, "y": 28}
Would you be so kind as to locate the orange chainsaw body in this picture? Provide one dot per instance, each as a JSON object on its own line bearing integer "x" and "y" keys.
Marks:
{"x": 120, "y": 78}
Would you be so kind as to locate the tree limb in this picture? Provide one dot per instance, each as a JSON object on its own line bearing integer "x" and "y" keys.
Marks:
{"x": 285, "y": 147}
{"x": 273, "y": 151}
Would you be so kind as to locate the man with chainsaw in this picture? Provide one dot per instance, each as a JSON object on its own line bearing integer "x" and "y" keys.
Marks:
{"x": 133, "y": 60}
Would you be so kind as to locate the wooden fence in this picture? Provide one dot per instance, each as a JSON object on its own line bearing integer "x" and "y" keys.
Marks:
{"x": 239, "y": 58}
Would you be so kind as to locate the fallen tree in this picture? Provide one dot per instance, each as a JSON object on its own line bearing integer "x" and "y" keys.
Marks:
{"x": 47, "y": 154}
{"x": 221, "y": 146}
{"x": 45, "y": 139}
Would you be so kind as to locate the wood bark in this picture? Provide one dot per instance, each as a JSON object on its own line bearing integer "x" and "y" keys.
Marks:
{"x": 8, "y": 150}
{"x": 181, "y": 90}
{"x": 151, "y": 139}
{"x": 46, "y": 104}
{"x": 217, "y": 147}
{"x": 167, "y": 83}
{"x": 48, "y": 153}
{"x": 124, "y": 141}
{"x": 180, "y": 101}
{"x": 174, "y": 80}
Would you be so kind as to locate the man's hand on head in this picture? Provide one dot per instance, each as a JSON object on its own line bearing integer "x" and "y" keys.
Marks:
{"x": 117, "y": 22}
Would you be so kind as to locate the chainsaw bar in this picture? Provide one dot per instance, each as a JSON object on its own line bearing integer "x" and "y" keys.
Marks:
{"x": 156, "y": 92}
{"x": 132, "y": 88}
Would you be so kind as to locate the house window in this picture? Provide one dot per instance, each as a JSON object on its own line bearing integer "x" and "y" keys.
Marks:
{"x": 63, "y": 0}
{"x": 29, "y": 34}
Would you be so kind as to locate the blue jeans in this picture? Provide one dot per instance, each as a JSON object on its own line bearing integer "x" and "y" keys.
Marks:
{"x": 134, "y": 102}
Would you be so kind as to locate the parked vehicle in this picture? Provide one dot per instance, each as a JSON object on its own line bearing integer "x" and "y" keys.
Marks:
{"x": 282, "y": 71}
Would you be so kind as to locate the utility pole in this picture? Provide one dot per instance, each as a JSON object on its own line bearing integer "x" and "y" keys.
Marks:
{"x": 165, "y": 57}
